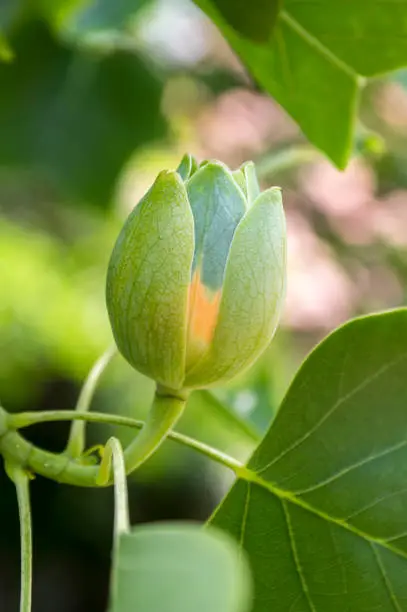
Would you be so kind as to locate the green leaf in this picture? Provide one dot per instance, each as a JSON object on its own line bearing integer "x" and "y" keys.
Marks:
{"x": 321, "y": 508}
{"x": 179, "y": 568}
{"x": 314, "y": 60}
{"x": 74, "y": 116}
{"x": 370, "y": 37}
{"x": 254, "y": 20}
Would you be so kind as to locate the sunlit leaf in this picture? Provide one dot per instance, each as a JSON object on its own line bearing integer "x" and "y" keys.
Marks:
{"x": 254, "y": 20}
{"x": 321, "y": 509}
{"x": 317, "y": 53}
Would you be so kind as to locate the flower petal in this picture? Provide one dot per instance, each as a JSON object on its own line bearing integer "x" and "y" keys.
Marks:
{"x": 148, "y": 282}
{"x": 246, "y": 178}
{"x": 217, "y": 204}
{"x": 253, "y": 294}
{"x": 187, "y": 167}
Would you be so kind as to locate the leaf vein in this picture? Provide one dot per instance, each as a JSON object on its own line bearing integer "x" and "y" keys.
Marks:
{"x": 249, "y": 475}
{"x": 350, "y": 468}
{"x": 375, "y": 502}
{"x": 245, "y": 515}
{"x": 297, "y": 563}
{"x": 386, "y": 579}
{"x": 341, "y": 401}
{"x": 397, "y": 536}
{"x": 316, "y": 44}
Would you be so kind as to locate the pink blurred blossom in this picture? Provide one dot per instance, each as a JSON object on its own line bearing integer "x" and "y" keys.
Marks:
{"x": 389, "y": 219}
{"x": 319, "y": 295}
{"x": 378, "y": 287}
{"x": 344, "y": 197}
{"x": 242, "y": 124}
{"x": 391, "y": 105}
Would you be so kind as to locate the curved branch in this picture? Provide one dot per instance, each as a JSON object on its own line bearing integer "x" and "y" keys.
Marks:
{"x": 62, "y": 468}
{"x": 76, "y": 441}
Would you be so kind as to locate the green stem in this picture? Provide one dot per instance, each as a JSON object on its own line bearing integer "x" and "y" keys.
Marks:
{"x": 162, "y": 417}
{"x": 76, "y": 442}
{"x": 164, "y": 413}
{"x": 218, "y": 408}
{"x": 21, "y": 480}
{"x": 26, "y": 419}
{"x": 63, "y": 469}
{"x": 113, "y": 451}
{"x": 285, "y": 159}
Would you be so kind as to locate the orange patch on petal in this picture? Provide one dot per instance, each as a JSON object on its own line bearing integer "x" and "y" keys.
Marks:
{"x": 203, "y": 311}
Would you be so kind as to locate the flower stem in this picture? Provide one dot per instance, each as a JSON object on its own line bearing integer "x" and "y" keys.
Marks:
{"x": 162, "y": 417}
{"x": 285, "y": 159}
{"x": 113, "y": 451}
{"x": 21, "y": 480}
{"x": 63, "y": 469}
{"x": 76, "y": 442}
{"x": 26, "y": 419}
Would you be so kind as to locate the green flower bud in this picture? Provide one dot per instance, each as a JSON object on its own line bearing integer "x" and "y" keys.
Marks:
{"x": 196, "y": 279}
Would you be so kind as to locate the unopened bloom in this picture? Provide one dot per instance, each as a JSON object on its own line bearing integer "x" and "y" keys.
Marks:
{"x": 196, "y": 279}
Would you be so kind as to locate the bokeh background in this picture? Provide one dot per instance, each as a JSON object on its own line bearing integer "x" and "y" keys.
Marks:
{"x": 93, "y": 103}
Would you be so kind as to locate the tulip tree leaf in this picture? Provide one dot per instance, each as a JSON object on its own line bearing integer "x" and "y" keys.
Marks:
{"x": 370, "y": 37}
{"x": 255, "y": 21}
{"x": 179, "y": 568}
{"x": 74, "y": 116}
{"x": 321, "y": 507}
{"x": 317, "y": 53}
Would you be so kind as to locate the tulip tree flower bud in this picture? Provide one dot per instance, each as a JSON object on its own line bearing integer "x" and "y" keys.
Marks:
{"x": 196, "y": 279}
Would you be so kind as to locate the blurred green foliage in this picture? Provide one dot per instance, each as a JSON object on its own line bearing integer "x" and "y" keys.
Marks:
{"x": 51, "y": 310}
{"x": 71, "y": 112}
{"x": 82, "y": 19}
